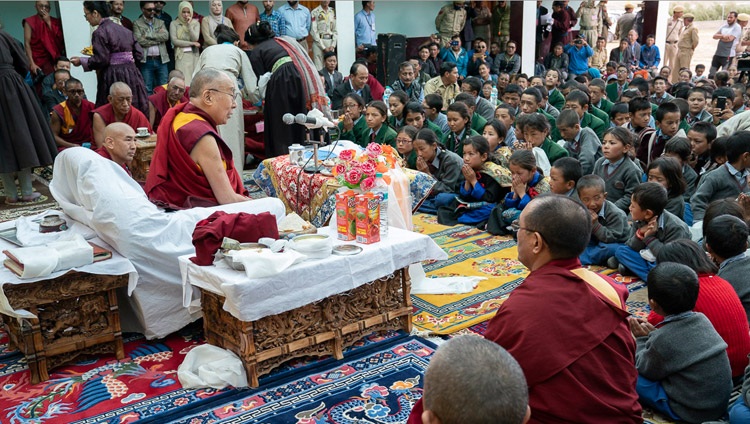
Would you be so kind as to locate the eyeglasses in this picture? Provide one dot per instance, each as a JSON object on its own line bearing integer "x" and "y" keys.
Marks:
{"x": 74, "y": 92}
{"x": 152, "y": 9}
{"x": 403, "y": 141}
{"x": 233, "y": 94}
{"x": 346, "y": 106}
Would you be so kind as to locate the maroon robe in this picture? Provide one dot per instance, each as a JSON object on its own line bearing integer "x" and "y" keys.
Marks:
{"x": 82, "y": 132}
{"x": 185, "y": 97}
{"x": 47, "y": 43}
{"x": 105, "y": 154}
{"x": 161, "y": 105}
{"x": 174, "y": 179}
{"x": 575, "y": 348}
{"x": 135, "y": 118}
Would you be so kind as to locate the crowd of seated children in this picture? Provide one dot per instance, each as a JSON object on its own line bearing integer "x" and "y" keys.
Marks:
{"x": 527, "y": 182}
{"x": 459, "y": 122}
{"x": 442, "y": 164}
{"x": 610, "y": 227}
{"x": 484, "y": 183}
{"x": 414, "y": 115}
{"x": 581, "y": 143}
{"x": 668, "y": 127}
{"x": 564, "y": 175}
{"x": 666, "y": 172}
{"x": 683, "y": 350}
{"x": 717, "y": 300}
{"x": 652, "y": 227}
{"x": 620, "y": 174}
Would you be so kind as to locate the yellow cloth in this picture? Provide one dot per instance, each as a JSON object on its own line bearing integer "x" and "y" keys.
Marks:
{"x": 68, "y": 124}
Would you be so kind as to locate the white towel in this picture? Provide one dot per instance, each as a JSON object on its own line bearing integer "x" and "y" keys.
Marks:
{"x": 264, "y": 263}
{"x": 40, "y": 261}
{"x": 421, "y": 284}
{"x": 211, "y": 366}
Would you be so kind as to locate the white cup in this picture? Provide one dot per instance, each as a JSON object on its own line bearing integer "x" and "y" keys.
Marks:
{"x": 142, "y": 131}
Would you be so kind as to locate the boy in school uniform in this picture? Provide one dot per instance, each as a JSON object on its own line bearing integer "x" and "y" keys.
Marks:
{"x": 701, "y": 135}
{"x": 433, "y": 104}
{"x": 683, "y": 367}
{"x": 726, "y": 181}
{"x": 619, "y": 115}
{"x": 620, "y": 174}
{"x": 668, "y": 128}
{"x": 578, "y": 101}
{"x": 598, "y": 94}
{"x": 564, "y": 175}
{"x": 477, "y": 121}
{"x": 652, "y": 227}
{"x": 536, "y": 132}
{"x": 610, "y": 224}
{"x": 725, "y": 239}
{"x": 552, "y": 81}
{"x": 679, "y": 148}
{"x": 581, "y": 143}
{"x": 697, "y": 100}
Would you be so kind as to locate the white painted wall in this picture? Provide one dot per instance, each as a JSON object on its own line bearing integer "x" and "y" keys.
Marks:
{"x": 77, "y": 34}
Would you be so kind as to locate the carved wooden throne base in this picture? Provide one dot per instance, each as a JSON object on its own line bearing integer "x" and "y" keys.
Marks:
{"x": 324, "y": 327}
{"x": 77, "y": 314}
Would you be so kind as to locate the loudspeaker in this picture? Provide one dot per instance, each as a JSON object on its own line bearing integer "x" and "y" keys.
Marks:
{"x": 391, "y": 52}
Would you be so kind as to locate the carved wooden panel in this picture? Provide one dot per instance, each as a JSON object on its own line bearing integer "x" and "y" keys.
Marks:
{"x": 320, "y": 328}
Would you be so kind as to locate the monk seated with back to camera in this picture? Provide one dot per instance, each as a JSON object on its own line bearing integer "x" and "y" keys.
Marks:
{"x": 70, "y": 120}
{"x": 119, "y": 109}
{"x": 160, "y": 102}
{"x": 119, "y": 145}
{"x": 192, "y": 166}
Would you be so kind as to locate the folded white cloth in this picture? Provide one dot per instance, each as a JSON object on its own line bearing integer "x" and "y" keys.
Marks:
{"x": 27, "y": 229}
{"x": 265, "y": 263}
{"x": 41, "y": 261}
{"x": 421, "y": 284}
{"x": 211, "y": 366}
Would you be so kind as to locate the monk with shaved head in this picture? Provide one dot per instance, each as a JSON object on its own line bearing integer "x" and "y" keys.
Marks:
{"x": 119, "y": 109}
{"x": 160, "y": 102}
{"x": 119, "y": 145}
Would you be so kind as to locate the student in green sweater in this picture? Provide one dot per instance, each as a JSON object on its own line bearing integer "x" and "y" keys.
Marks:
{"x": 578, "y": 101}
{"x": 405, "y": 145}
{"x": 396, "y": 103}
{"x": 414, "y": 115}
{"x": 354, "y": 125}
{"x": 459, "y": 122}
{"x": 379, "y": 132}
{"x": 535, "y": 132}
{"x": 477, "y": 121}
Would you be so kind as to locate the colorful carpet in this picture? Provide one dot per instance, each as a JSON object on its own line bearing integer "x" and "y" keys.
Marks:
{"x": 142, "y": 387}
{"x": 471, "y": 252}
{"x": 375, "y": 386}
{"x": 17, "y": 210}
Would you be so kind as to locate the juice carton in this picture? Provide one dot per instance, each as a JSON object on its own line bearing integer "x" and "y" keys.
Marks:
{"x": 368, "y": 218}
{"x": 345, "y": 215}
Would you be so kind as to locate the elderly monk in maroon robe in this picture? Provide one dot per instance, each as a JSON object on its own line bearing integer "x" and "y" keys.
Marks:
{"x": 71, "y": 120}
{"x": 159, "y": 103}
{"x": 192, "y": 166}
{"x": 43, "y": 39}
{"x": 567, "y": 327}
{"x": 119, "y": 109}
{"x": 119, "y": 145}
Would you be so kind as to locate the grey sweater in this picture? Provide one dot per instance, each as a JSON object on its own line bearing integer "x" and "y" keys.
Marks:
{"x": 587, "y": 150}
{"x": 613, "y": 227}
{"x": 621, "y": 183}
{"x": 715, "y": 185}
{"x": 736, "y": 272}
{"x": 670, "y": 228}
{"x": 689, "y": 358}
{"x": 691, "y": 180}
{"x": 448, "y": 173}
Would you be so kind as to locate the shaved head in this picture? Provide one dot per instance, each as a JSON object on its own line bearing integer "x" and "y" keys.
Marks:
{"x": 205, "y": 79}
{"x": 215, "y": 93}
{"x": 119, "y": 141}
{"x": 120, "y": 86}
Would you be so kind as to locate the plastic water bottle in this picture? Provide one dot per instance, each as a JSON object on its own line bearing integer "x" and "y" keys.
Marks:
{"x": 493, "y": 96}
{"x": 381, "y": 189}
{"x": 386, "y": 95}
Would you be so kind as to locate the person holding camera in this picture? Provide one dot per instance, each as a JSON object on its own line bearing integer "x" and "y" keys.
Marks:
{"x": 578, "y": 52}
{"x": 450, "y": 21}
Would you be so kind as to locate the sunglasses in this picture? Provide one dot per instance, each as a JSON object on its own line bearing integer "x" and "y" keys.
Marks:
{"x": 153, "y": 9}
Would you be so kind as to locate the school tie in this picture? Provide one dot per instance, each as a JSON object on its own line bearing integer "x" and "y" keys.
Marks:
{"x": 372, "y": 137}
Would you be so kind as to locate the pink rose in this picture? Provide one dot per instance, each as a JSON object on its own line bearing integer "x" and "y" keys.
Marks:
{"x": 353, "y": 176}
{"x": 368, "y": 168}
{"x": 374, "y": 150}
{"x": 339, "y": 169}
{"x": 367, "y": 184}
{"x": 346, "y": 155}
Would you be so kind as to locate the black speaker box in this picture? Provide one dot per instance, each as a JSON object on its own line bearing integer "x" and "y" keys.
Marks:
{"x": 391, "y": 52}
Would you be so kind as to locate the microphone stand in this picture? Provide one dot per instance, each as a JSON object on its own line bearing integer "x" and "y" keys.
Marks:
{"x": 315, "y": 167}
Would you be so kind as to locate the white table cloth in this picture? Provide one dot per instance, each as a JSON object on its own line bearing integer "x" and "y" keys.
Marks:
{"x": 309, "y": 281}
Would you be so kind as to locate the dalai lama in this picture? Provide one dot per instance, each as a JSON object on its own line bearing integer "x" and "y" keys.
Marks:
{"x": 119, "y": 109}
{"x": 192, "y": 166}
{"x": 566, "y": 326}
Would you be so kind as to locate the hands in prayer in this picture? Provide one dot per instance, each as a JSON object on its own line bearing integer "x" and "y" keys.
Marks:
{"x": 640, "y": 327}
{"x": 469, "y": 175}
{"x": 519, "y": 187}
{"x": 421, "y": 165}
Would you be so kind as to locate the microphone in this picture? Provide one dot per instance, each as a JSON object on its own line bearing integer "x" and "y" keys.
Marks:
{"x": 313, "y": 122}
{"x": 288, "y": 118}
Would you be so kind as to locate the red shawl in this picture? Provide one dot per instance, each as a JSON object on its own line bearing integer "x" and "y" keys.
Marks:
{"x": 81, "y": 132}
{"x": 244, "y": 227}
{"x": 174, "y": 179}
{"x": 47, "y": 42}
{"x": 135, "y": 118}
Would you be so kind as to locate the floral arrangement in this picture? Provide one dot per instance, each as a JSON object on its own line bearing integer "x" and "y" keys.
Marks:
{"x": 357, "y": 170}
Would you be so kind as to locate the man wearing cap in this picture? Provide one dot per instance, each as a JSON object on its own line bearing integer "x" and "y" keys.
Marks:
{"x": 685, "y": 46}
{"x": 728, "y": 35}
{"x": 675, "y": 27}
{"x": 323, "y": 31}
{"x": 625, "y": 23}
{"x": 741, "y": 47}
{"x": 588, "y": 16}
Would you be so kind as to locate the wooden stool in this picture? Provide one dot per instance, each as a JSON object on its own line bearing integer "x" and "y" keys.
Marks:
{"x": 77, "y": 314}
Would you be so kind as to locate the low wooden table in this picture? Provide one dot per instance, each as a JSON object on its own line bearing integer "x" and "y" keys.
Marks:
{"x": 142, "y": 160}
{"x": 77, "y": 314}
{"x": 320, "y": 328}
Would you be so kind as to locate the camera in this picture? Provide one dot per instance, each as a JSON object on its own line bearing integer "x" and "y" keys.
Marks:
{"x": 578, "y": 41}
{"x": 454, "y": 43}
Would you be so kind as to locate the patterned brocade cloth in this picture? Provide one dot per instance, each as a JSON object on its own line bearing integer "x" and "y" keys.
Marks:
{"x": 316, "y": 202}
